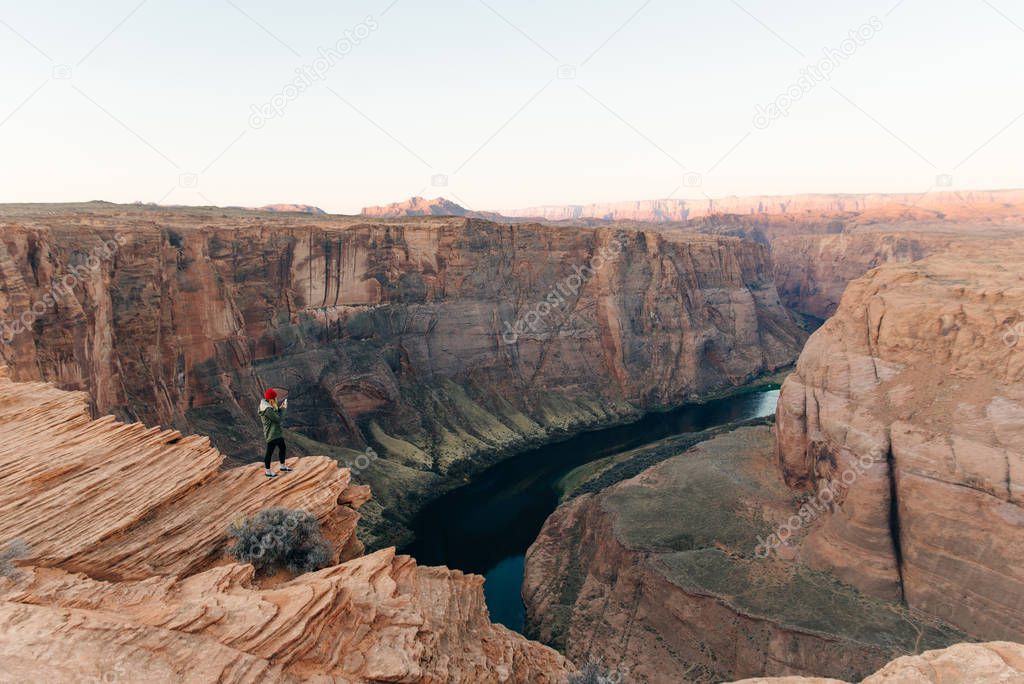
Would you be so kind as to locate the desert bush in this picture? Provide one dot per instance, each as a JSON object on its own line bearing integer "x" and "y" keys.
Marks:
{"x": 281, "y": 538}
{"x": 15, "y": 549}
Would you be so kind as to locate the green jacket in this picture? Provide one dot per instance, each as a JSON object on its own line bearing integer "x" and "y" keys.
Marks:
{"x": 271, "y": 419}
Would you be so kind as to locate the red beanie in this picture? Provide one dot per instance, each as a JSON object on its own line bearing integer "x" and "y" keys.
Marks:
{"x": 270, "y": 394}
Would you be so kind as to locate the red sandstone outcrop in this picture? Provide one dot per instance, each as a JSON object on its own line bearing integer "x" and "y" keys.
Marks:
{"x": 443, "y": 343}
{"x": 127, "y": 578}
{"x": 998, "y": 662}
{"x": 379, "y": 618}
{"x": 918, "y": 376}
{"x": 94, "y": 496}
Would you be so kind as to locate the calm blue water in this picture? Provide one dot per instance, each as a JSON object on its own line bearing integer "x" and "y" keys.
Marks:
{"x": 486, "y": 526}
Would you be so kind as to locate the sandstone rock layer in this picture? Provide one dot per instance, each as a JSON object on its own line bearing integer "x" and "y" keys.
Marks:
{"x": 919, "y": 378}
{"x": 127, "y": 577}
{"x": 390, "y": 334}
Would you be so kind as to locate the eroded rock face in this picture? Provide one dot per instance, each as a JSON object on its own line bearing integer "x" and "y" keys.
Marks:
{"x": 379, "y": 618}
{"x": 992, "y": 663}
{"x": 127, "y": 577}
{"x": 820, "y": 243}
{"x": 122, "y": 501}
{"x": 813, "y": 271}
{"x": 918, "y": 377}
{"x": 660, "y": 576}
{"x": 441, "y": 343}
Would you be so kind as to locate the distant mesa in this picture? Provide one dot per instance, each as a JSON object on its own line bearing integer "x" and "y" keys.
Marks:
{"x": 293, "y": 208}
{"x": 419, "y": 206}
{"x": 975, "y": 204}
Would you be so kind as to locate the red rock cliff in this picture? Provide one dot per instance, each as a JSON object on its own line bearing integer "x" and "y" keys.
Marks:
{"x": 918, "y": 377}
{"x": 443, "y": 343}
{"x": 907, "y": 410}
{"x": 127, "y": 576}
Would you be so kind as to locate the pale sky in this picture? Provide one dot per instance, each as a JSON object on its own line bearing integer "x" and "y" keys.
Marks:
{"x": 517, "y": 102}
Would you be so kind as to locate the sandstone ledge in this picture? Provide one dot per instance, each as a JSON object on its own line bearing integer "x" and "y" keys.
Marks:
{"x": 128, "y": 577}
{"x": 123, "y": 501}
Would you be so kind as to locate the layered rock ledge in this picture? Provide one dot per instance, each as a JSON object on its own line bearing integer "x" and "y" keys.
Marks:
{"x": 127, "y": 576}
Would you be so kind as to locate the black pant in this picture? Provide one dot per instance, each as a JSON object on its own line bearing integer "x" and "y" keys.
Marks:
{"x": 271, "y": 445}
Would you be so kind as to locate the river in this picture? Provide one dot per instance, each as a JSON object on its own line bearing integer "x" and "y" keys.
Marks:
{"x": 486, "y": 526}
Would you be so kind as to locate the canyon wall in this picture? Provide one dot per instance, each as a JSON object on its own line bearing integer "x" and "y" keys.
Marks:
{"x": 813, "y": 271}
{"x": 918, "y": 377}
{"x": 883, "y": 517}
{"x": 820, "y": 243}
{"x": 816, "y": 256}
{"x": 127, "y": 575}
{"x": 441, "y": 344}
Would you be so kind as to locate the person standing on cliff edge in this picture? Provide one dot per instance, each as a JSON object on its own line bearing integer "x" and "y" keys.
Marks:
{"x": 271, "y": 416}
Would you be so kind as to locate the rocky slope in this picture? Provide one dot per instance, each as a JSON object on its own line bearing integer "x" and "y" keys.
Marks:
{"x": 992, "y": 663}
{"x": 127, "y": 578}
{"x": 661, "y": 576}
{"x": 439, "y": 343}
{"x": 919, "y": 376}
